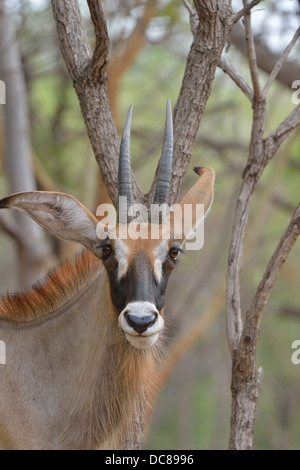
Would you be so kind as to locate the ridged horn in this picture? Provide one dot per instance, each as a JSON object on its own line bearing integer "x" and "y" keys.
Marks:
{"x": 124, "y": 172}
{"x": 165, "y": 163}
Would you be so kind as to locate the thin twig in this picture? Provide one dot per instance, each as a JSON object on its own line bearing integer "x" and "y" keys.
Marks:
{"x": 244, "y": 10}
{"x": 228, "y": 68}
{"x": 277, "y": 137}
{"x": 251, "y": 175}
{"x": 194, "y": 19}
{"x": 189, "y": 7}
{"x": 270, "y": 276}
{"x": 266, "y": 149}
{"x": 280, "y": 63}
{"x": 252, "y": 53}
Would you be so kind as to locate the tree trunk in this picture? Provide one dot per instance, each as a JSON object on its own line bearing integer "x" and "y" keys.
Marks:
{"x": 88, "y": 72}
{"x": 243, "y": 335}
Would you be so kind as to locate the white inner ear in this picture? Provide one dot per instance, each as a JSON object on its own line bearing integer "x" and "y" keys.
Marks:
{"x": 61, "y": 215}
{"x": 77, "y": 221}
{"x": 160, "y": 254}
{"x": 120, "y": 253}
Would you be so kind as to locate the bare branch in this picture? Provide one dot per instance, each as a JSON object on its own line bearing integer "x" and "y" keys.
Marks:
{"x": 189, "y": 7}
{"x": 194, "y": 19}
{"x": 251, "y": 53}
{"x": 244, "y": 10}
{"x": 270, "y": 276}
{"x": 278, "y": 136}
{"x": 228, "y": 68}
{"x": 100, "y": 57}
{"x": 280, "y": 63}
{"x": 251, "y": 175}
{"x": 74, "y": 42}
{"x": 266, "y": 58}
{"x": 242, "y": 340}
{"x": 203, "y": 58}
{"x": 90, "y": 82}
{"x": 246, "y": 377}
{"x": 234, "y": 324}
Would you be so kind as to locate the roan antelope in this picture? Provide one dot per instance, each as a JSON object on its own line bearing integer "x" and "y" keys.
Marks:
{"x": 82, "y": 345}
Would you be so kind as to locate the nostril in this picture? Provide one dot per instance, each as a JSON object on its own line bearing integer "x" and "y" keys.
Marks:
{"x": 140, "y": 324}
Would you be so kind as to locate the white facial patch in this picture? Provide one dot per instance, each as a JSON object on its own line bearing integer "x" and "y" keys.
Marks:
{"x": 160, "y": 254}
{"x": 120, "y": 253}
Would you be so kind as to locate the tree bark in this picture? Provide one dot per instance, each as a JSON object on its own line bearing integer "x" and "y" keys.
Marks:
{"x": 91, "y": 86}
{"x": 243, "y": 337}
{"x": 246, "y": 377}
{"x": 88, "y": 72}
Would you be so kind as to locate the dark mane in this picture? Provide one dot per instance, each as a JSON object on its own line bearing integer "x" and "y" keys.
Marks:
{"x": 59, "y": 285}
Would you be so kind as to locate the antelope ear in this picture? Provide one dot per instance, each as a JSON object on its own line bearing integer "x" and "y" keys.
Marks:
{"x": 60, "y": 214}
{"x": 194, "y": 207}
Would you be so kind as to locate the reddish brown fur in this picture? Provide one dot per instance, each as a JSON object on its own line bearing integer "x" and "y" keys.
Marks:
{"x": 111, "y": 386}
{"x": 59, "y": 286}
{"x": 97, "y": 418}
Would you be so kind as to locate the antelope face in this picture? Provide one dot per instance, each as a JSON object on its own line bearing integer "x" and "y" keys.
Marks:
{"x": 138, "y": 268}
{"x": 138, "y": 273}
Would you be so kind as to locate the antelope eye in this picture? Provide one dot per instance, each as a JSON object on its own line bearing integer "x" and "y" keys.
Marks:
{"x": 106, "y": 250}
{"x": 174, "y": 253}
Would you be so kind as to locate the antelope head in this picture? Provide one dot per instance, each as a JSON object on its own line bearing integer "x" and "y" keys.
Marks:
{"x": 138, "y": 267}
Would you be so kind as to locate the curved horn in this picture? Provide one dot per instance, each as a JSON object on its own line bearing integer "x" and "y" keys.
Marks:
{"x": 124, "y": 173}
{"x": 165, "y": 164}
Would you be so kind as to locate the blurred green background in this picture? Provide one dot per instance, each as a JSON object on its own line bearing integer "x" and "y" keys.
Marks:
{"x": 192, "y": 409}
